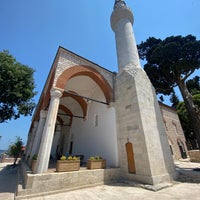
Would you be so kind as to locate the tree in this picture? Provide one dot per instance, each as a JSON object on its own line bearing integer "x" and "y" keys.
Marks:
{"x": 174, "y": 99}
{"x": 193, "y": 85}
{"x": 15, "y": 149}
{"x": 17, "y": 88}
{"x": 169, "y": 64}
{"x": 186, "y": 123}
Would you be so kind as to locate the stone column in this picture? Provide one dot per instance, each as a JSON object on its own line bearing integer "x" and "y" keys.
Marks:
{"x": 48, "y": 132}
{"x": 38, "y": 135}
{"x": 56, "y": 139}
{"x": 31, "y": 139}
{"x": 27, "y": 145}
{"x": 61, "y": 141}
{"x": 66, "y": 141}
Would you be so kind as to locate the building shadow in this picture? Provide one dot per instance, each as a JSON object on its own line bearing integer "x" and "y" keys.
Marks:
{"x": 188, "y": 174}
{"x": 8, "y": 179}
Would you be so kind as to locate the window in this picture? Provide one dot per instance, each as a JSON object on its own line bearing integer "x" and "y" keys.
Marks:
{"x": 165, "y": 123}
{"x": 175, "y": 127}
{"x": 96, "y": 120}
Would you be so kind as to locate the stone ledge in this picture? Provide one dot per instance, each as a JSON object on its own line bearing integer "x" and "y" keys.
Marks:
{"x": 42, "y": 194}
{"x": 53, "y": 183}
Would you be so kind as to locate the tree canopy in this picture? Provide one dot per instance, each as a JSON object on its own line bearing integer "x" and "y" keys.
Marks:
{"x": 169, "y": 64}
{"x": 193, "y": 85}
{"x": 17, "y": 88}
{"x": 170, "y": 61}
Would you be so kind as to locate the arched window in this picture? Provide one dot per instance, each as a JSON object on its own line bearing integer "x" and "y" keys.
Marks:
{"x": 175, "y": 127}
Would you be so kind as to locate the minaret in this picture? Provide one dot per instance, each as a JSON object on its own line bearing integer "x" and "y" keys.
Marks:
{"x": 144, "y": 153}
{"x": 122, "y": 24}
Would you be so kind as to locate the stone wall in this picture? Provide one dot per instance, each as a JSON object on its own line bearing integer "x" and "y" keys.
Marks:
{"x": 5, "y": 159}
{"x": 194, "y": 155}
{"x": 68, "y": 59}
{"x": 173, "y": 130}
{"x": 33, "y": 185}
{"x": 140, "y": 122}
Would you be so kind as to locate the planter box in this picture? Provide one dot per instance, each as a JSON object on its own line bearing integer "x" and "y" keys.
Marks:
{"x": 67, "y": 165}
{"x": 96, "y": 164}
{"x": 33, "y": 165}
{"x": 194, "y": 155}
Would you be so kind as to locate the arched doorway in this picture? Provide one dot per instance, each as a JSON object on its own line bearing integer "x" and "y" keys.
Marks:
{"x": 182, "y": 149}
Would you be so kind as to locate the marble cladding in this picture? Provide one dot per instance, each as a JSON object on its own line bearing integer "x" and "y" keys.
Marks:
{"x": 67, "y": 60}
{"x": 55, "y": 182}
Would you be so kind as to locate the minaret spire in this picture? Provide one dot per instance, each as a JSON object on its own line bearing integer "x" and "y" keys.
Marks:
{"x": 122, "y": 24}
{"x": 119, "y": 3}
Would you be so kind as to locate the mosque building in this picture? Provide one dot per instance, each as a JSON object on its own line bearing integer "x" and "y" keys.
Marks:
{"x": 86, "y": 110}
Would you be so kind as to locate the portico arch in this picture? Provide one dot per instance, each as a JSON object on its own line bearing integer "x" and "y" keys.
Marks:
{"x": 60, "y": 120}
{"x": 87, "y": 71}
{"x": 80, "y": 100}
{"x": 67, "y": 111}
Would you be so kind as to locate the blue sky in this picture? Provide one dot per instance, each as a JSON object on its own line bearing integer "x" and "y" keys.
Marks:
{"x": 33, "y": 30}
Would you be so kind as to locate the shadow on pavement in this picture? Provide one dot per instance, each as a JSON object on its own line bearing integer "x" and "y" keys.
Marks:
{"x": 8, "y": 179}
{"x": 188, "y": 174}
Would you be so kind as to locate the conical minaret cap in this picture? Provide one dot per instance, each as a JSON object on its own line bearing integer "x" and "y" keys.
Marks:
{"x": 120, "y": 11}
{"x": 119, "y": 3}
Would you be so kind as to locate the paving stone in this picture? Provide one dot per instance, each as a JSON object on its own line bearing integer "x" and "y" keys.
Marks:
{"x": 117, "y": 191}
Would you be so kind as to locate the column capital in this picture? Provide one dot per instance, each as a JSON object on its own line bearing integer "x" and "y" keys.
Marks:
{"x": 56, "y": 92}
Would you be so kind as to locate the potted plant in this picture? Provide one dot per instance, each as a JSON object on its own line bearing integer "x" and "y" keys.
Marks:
{"x": 33, "y": 163}
{"x": 96, "y": 162}
{"x": 66, "y": 164}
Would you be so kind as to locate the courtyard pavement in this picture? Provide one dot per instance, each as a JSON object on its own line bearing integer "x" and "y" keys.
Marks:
{"x": 8, "y": 181}
{"x": 188, "y": 187}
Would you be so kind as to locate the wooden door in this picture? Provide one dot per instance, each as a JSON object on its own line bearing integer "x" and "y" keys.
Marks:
{"x": 130, "y": 158}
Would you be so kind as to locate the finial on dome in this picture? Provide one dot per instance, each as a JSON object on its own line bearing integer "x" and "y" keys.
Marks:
{"x": 119, "y": 3}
